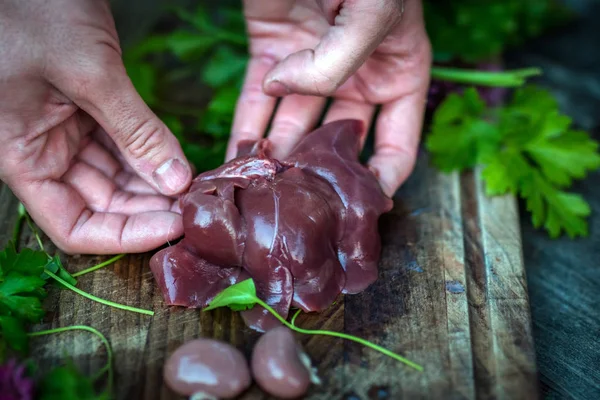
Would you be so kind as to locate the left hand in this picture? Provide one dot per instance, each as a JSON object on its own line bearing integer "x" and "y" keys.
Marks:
{"x": 360, "y": 52}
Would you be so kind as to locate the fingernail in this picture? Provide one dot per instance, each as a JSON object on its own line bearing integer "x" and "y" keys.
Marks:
{"x": 171, "y": 176}
{"x": 276, "y": 88}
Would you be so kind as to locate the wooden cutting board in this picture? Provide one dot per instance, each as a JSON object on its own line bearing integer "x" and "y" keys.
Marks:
{"x": 451, "y": 295}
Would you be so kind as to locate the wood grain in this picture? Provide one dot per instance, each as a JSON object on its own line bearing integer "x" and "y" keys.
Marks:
{"x": 451, "y": 295}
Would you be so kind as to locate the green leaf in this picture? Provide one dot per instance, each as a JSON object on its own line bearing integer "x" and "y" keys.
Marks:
{"x": 16, "y": 283}
{"x": 27, "y": 261}
{"x": 224, "y": 100}
{"x": 143, "y": 76}
{"x": 150, "y": 45}
{"x": 240, "y": 296}
{"x": 533, "y": 123}
{"x": 205, "y": 158}
{"x": 460, "y": 136}
{"x": 20, "y": 296}
{"x": 555, "y": 209}
{"x": 566, "y": 157}
{"x": 13, "y": 333}
{"x": 504, "y": 172}
{"x": 477, "y": 31}
{"x": 26, "y": 308}
{"x": 224, "y": 66}
{"x": 56, "y": 267}
{"x": 68, "y": 383}
{"x": 526, "y": 147}
{"x": 189, "y": 45}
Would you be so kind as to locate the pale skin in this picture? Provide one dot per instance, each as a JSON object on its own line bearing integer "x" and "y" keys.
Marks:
{"x": 99, "y": 172}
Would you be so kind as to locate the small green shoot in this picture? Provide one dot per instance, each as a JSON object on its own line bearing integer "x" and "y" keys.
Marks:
{"x": 97, "y": 299}
{"x": 68, "y": 372}
{"x": 99, "y": 266}
{"x": 243, "y": 296}
{"x": 514, "y": 78}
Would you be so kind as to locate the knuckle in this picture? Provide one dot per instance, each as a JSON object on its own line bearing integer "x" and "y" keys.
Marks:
{"x": 85, "y": 82}
{"x": 287, "y": 126}
{"x": 145, "y": 141}
{"x": 252, "y": 93}
{"x": 326, "y": 85}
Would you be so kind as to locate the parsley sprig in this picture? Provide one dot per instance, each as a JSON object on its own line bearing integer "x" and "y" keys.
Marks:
{"x": 24, "y": 281}
{"x": 527, "y": 148}
{"x": 242, "y": 296}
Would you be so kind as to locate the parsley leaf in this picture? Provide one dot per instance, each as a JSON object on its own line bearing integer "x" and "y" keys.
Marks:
{"x": 13, "y": 332}
{"x": 56, "y": 267}
{"x": 526, "y": 147}
{"x": 20, "y": 296}
{"x": 555, "y": 209}
{"x": 68, "y": 383}
{"x": 27, "y": 261}
{"x": 238, "y": 297}
{"x": 459, "y": 134}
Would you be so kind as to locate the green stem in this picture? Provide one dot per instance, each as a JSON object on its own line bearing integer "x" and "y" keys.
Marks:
{"x": 35, "y": 233}
{"x": 108, "y": 368}
{"x": 339, "y": 335}
{"x": 293, "y": 321}
{"x": 484, "y": 78}
{"x": 94, "y": 298}
{"x": 17, "y": 230}
{"x": 98, "y": 266}
{"x": 21, "y": 213}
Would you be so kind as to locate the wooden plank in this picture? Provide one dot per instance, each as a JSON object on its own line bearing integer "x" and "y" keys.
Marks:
{"x": 451, "y": 296}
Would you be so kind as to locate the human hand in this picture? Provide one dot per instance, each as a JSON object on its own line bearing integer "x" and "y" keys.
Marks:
{"x": 81, "y": 150}
{"x": 360, "y": 52}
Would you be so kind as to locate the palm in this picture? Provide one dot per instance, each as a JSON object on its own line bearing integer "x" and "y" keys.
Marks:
{"x": 105, "y": 205}
{"x": 297, "y": 25}
{"x": 296, "y": 54}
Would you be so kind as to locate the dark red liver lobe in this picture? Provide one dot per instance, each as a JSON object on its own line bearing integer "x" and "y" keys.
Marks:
{"x": 304, "y": 228}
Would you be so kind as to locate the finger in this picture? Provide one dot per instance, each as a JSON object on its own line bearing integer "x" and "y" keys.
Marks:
{"x": 351, "y": 109}
{"x": 101, "y": 194}
{"x": 254, "y": 108}
{"x": 359, "y": 27}
{"x": 133, "y": 184}
{"x": 295, "y": 116}
{"x": 97, "y": 156}
{"x": 75, "y": 229}
{"x": 397, "y": 134}
{"x": 106, "y": 93}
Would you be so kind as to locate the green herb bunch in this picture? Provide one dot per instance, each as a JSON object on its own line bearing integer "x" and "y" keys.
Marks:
{"x": 25, "y": 278}
{"x": 526, "y": 147}
{"x": 209, "y": 54}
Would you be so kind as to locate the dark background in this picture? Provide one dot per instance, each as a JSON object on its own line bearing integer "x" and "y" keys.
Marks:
{"x": 563, "y": 274}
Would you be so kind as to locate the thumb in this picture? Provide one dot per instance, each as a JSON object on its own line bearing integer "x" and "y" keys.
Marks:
{"x": 358, "y": 27}
{"x": 148, "y": 146}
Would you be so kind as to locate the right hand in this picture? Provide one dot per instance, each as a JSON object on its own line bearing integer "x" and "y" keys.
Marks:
{"x": 95, "y": 168}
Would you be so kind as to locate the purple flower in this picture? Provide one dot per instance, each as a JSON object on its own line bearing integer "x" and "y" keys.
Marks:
{"x": 14, "y": 382}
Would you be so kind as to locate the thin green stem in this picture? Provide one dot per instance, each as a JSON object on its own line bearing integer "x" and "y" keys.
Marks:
{"x": 97, "y": 299}
{"x": 513, "y": 78}
{"x": 21, "y": 213}
{"x": 98, "y": 266}
{"x": 108, "y": 368}
{"x": 17, "y": 230}
{"x": 339, "y": 335}
{"x": 293, "y": 321}
{"x": 35, "y": 233}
